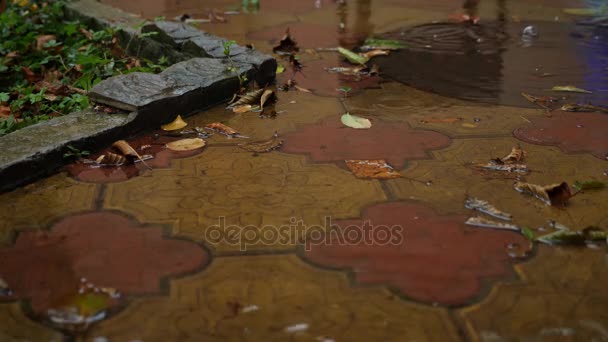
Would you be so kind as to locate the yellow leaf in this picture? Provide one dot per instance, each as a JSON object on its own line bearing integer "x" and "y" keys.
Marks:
{"x": 186, "y": 144}
{"x": 178, "y": 123}
{"x": 355, "y": 121}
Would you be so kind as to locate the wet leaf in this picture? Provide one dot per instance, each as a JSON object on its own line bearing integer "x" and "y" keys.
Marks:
{"x": 251, "y": 98}
{"x": 571, "y": 89}
{"x": 469, "y": 125}
{"x": 355, "y": 121}
{"x": 5, "y": 111}
{"x": 178, "y": 123}
{"x": 186, "y": 144}
{"x": 263, "y": 146}
{"x": 494, "y": 165}
{"x": 267, "y": 95}
{"x": 287, "y": 45}
{"x": 29, "y": 75}
{"x": 352, "y": 57}
{"x": 348, "y": 71}
{"x": 528, "y": 233}
{"x": 223, "y": 129}
{"x": 127, "y": 150}
{"x": 486, "y": 208}
{"x": 478, "y": 221}
{"x": 556, "y": 194}
{"x": 111, "y": 159}
{"x": 304, "y": 90}
{"x": 578, "y": 238}
{"x": 374, "y": 53}
{"x": 589, "y": 185}
{"x": 376, "y": 169}
{"x": 543, "y": 101}
{"x": 575, "y": 107}
{"x": 242, "y": 109}
{"x": 280, "y": 69}
{"x": 382, "y": 44}
{"x": 517, "y": 155}
{"x": 86, "y": 33}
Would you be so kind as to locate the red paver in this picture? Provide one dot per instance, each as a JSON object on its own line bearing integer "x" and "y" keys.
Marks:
{"x": 106, "y": 248}
{"x": 331, "y": 141}
{"x": 438, "y": 260}
{"x": 571, "y": 132}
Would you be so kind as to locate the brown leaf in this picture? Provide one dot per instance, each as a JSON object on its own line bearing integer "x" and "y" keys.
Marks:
{"x": 376, "y": 169}
{"x": 501, "y": 166}
{"x": 186, "y": 144}
{"x": 543, "y": 101}
{"x": 263, "y": 146}
{"x": 374, "y": 53}
{"x": 242, "y": 109}
{"x": 43, "y": 40}
{"x": 251, "y": 98}
{"x": 176, "y": 124}
{"x": 516, "y": 156}
{"x": 555, "y": 194}
{"x": 86, "y": 33}
{"x": 127, "y": 150}
{"x": 111, "y": 159}
{"x": 222, "y": 129}
{"x": 267, "y": 95}
{"x": 287, "y": 45}
{"x": 5, "y": 111}
{"x": 29, "y": 75}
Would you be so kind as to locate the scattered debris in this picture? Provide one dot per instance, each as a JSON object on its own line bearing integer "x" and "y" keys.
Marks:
{"x": 478, "y": 221}
{"x": 186, "y": 144}
{"x": 569, "y": 237}
{"x": 111, "y": 159}
{"x": 496, "y": 166}
{"x": 295, "y": 64}
{"x": 486, "y": 208}
{"x": 250, "y": 99}
{"x": 263, "y": 146}
{"x": 223, "y": 129}
{"x": 543, "y": 102}
{"x": 287, "y": 45}
{"x": 556, "y": 194}
{"x": 267, "y": 95}
{"x": 355, "y": 121}
{"x": 250, "y": 308}
{"x": 127, "y": 150}
{"x": 353, "y": 57}
{"x": 517, "y": 155}
{"x": 297, "y": 328}
{"x": 376, "y": 169}
{"x": 571, "y": 89}
{"x": 357, "y": 71}
{"x": 178, "y": 123}
{"x": 588, "y": 185}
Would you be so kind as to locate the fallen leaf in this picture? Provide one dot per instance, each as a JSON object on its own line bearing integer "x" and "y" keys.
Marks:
{"x": 5, "y": 111}
{"x": 287, "y": 45}
{"x": 355, "y": 121}
{"x": 178, "y": 123}
{"x": 374, "y": 53}
{"x": 267, "y": 95}
{"x": 223, "y": 129}
{"x": 381, "y": 44}
{"x": 493, "y": 165}
{"x": 352, "y": 57}
{"x": 486, "y": 208}
{"x": 376, "y": 169}
{"x": 111, "y": 159}
{"x": 242, "y": 109}
{"x": 469, "y": 125}
{"x": 575, "y": 107}
{"x": 588, "y": 185}
{"x": 304, "y": 90}
{"x": 295, "y": 64}
{"x": 29, "y": 75}
{"x": 516, "y": 156}
{"x": 186, "y": 144}
{"x": 569, "y": 237}
{"x": 478, "y": 221}
{"x": 86, "y": 33}
{"x": 350, "y": 71}
{"x": 528, "y": 233}
{"x": 542, "y": 102}
{"x": 251, "y": 98}
{"x": 556, "y": 194}
{"x": 441, "y": 120}
{"x": 263, "y": 146}
{"x": 42, "y": 40}
{"x": 280, "y": 69}
{"x": 296, "y": 328}
{"x": 127, "y": 150}
{"x": 571, "y": 89}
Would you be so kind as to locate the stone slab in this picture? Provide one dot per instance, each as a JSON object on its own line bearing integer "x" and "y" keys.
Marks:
{"x": 37, "y": 150}
{"x": 192, "y": 41}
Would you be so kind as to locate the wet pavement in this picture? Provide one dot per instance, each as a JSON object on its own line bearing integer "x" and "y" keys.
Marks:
{"x": 226, "y": 244}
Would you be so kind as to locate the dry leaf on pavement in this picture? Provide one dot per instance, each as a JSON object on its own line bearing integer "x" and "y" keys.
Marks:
{"x": 376, "y": 169}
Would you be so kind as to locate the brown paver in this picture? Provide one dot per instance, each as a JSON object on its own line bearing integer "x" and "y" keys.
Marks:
{"x": 426, "y": 257}
{"x": 218, "y": 305}
{"x": 266, "y": 191}
{"x": 36, "y": 205}
{"x": 571, "y": 132}
{"x": 332, "y": 141}
{"x": 107, "y": 249}
{"x": 562, "y": 299}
